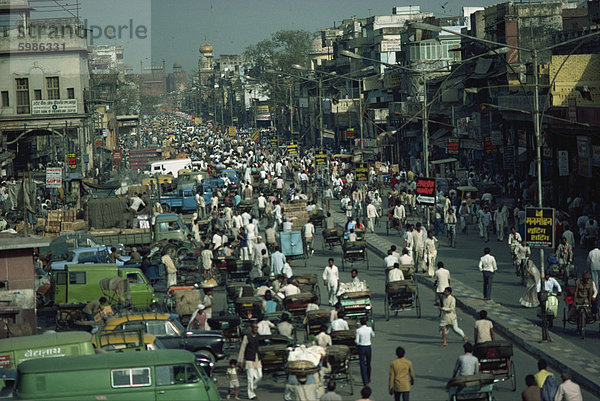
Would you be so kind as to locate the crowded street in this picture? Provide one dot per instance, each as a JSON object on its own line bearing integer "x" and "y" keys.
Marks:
{"x": 323, "y": 203}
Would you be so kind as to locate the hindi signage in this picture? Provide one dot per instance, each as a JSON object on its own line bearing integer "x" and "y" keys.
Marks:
{"x": 53, "y": 177}
{"x": 426, "y": 191}
{"x": 59, "y": 106}
{"x": 453, "y": 146}
{"x": 350, "y": 133}
{"x": 321, "y": 158}
{"x": 292, "y": 148}
{"x": 563, "y": 163}
{"x": 539, "y": 227}
{"x": 362, "y": 172}
{"x": 72, "y": 160}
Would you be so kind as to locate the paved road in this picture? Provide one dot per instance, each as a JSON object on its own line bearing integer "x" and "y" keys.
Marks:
{"x": 420, "y": 337}
{"x": 463, "y": 261}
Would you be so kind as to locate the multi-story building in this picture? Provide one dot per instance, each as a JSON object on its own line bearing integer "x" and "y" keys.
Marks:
{"x": 44, "y": 77}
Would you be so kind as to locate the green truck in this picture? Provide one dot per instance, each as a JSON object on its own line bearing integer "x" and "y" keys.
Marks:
{"x": 167, "y": 227}
{"x": 80, "y": 283}
{"x": 161, "y": 375}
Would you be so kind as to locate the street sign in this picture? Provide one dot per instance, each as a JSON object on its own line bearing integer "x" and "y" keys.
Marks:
{"x": 453, "y": 146}
{"x": 426, "y": 191}
{"x": 292, "y": 148}
{"x": 362, "y": 172}
{"x": 53, "y": 177}
{"x": 539, "y": 227}
{"x": 321, "y": 158}
{"x": 72, "y": 160}
{"x": 274, "y": 142}
{"x": 232, "y": 131}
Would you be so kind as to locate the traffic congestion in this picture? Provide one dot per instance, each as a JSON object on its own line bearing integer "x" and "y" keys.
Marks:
{"x": 243, "y": 270}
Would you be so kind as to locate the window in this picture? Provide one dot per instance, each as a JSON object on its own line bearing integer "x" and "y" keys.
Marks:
{"x": 156, "y": 327}
{"x": 136, "y": 377}
{"x": 77, "y": 278}
{"x": 61, "y": 278}
{"x": 37, "y": 94}
{"x": 22, "y": 96}
{"x": 70, "y": 93}
{"x": 52, "y": 87}
{"x": 5, "y": 102}
{"x": 176, "y": 374}
{"x": 135, "y": 278}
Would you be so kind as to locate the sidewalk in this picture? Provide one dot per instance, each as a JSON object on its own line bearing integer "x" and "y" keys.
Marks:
{"x": 560, "y": 354}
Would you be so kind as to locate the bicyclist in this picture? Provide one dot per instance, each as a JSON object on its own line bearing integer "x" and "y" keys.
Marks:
{"x": 584, "y": 292}
{"x": 451, "y": 221}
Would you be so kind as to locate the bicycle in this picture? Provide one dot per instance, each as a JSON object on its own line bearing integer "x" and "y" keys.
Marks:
{"x": 451, "y": 235}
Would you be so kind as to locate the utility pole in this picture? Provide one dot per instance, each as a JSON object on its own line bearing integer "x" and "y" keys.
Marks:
{"x": 360, "y": 117}
{"x": 321, "y": 109}
{"x": 425, "y": 126}
{"x": 291, "y": 114}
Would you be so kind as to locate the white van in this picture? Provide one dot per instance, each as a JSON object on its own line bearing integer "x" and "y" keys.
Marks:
{"x": 164, "y": 167}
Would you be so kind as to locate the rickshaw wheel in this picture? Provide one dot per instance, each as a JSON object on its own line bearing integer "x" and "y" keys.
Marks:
{"x": 387, "y": 307}
{"x": 418, "y": 304}
{"x": 318, "y": 293}
{"x": 367, "y": 258}
{"x": 565, "y": 318}
{"x": 513, "y": 376}
{"x": 349, "y": 373}
{"x": 372, "y": 319}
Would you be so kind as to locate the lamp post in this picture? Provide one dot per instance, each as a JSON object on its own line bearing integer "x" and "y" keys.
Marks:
{"x": 536, "y": 119}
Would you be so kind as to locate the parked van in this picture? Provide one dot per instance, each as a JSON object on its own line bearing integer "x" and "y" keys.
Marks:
{"x": 81, "y": 284}
{"x": 15, "y": 350}
{"x": 159, "y": 375}
{"x": 164, "y": 167}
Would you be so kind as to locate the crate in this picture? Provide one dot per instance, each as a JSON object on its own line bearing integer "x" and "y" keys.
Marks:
{"x": 76, "y": 225}
{"x": 69, "y": 215}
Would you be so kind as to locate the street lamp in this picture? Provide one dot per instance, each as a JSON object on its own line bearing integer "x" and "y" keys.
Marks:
{"x": 535, "y": 113}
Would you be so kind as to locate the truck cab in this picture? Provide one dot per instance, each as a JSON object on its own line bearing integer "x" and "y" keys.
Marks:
{"x": 168, "y": 226}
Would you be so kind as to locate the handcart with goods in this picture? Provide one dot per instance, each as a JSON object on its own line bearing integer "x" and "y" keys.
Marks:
{"x": 240, "y": 271}
{"x": 354, "y": 251}
{"x": 316, "y": 216}
{"x": 246, "y": 206}
{"x": 309, "y": 283}
{"x": 186, "y": 300}
{"x": 356, "y": 301}
{"x": 495, "y": 358}
{"x": 338, "y": 361}
{"x": 347, "y": 338}
{"x": 478, "y": 387}
{"x": 292, "y": 245}
{"x": 332, "y": 237}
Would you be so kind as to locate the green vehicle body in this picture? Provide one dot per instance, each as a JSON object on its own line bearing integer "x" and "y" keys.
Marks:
{"x": 15, "y": 350}
{"x": 162, "y": 375}
{"x": 81, "y": 284}
{"x": 167, "y": 227}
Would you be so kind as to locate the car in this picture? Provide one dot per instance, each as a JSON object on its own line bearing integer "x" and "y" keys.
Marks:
{"x": 66, "y": 242}
{"x": 97, "y": 254}
{"x": 171, "y": 333}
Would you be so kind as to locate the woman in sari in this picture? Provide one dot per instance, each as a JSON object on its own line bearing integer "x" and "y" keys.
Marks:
{"x": 530, "y": 299}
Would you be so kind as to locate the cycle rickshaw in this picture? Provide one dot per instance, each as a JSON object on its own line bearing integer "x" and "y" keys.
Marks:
{"x": 402, "y": 295}
{"x": 354, "y": 251}
{"x": 332, "y": 238}
{"x": 338, "y": 360}
{"x": 495, "y": 358}
{"x": 292, "y": 245}
{"x": 475, "y": 387}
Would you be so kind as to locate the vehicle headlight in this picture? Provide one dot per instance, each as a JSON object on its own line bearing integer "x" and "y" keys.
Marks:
{"x": 368, "y": 307}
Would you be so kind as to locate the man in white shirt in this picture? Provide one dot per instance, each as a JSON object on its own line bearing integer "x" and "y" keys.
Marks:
{"x": 309, "y": 233}
{"x": 372, "y": 214}
{"x": 405, "y": 259}
{"x": 136, "y": 202}
{"x": 488, "y": 266}
{"x": 363, "y": 342}
{"x": 331, "y": 279}
{"x": 246, "y": 217}
{"x": 217, "y": 241}
{"x": 550, "y": 284}
{"x": 419, "y": 235}
{"x": 237, "y": 219}
{"x": 287, "y": 268}
{"x": 390, "y": 259}
{"x": 262, "y": 205}
{"x": 339, "y": 323}
{"x": 593, "y": 262}
{"x": 291, "y": 289}
{"x": 568, "y": 391}
{"x": 395, "y": 274}
{"x": 442, "y": 281}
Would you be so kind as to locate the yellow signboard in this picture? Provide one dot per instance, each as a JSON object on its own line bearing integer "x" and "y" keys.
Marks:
{"x": 292, "y": 148}
{"x": 262, "y": 109}
{"x": 232, "y": 130}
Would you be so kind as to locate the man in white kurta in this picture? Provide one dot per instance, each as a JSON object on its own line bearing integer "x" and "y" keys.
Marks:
{"x": 331, "y": 279}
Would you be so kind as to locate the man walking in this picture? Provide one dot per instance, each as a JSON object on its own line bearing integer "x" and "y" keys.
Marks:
{"x": 593, "y": 262}
{"x": 249, "y": 355}
{"x": 442, "y": 281}
{"x": 363, "y": 341}
{"x": 331, "y": 279}
{"x": 449, "y": 317}
{"x": 372, "y": 214}
{"x": 487, "y": 265}
{"x": 402, "y": 376}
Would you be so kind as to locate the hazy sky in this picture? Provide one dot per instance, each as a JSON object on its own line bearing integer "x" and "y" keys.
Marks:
{"x": 176, "y": 28}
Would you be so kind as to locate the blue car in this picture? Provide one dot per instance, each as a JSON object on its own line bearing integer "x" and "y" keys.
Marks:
{"x": 98, "y": 254}
{"x": 231, "y": 174}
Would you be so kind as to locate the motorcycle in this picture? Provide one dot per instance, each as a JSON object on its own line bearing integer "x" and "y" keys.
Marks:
{"x": 551, "y": 306}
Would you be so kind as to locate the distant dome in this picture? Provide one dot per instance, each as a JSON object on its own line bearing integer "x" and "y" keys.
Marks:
{"x": 206, "y": 47}
{"x": 177, "y": 64}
